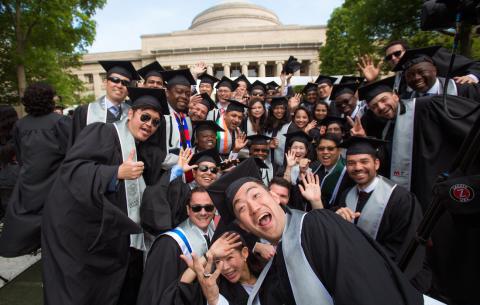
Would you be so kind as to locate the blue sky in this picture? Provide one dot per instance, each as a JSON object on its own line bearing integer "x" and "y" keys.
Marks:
{"x": 121, "y": 22}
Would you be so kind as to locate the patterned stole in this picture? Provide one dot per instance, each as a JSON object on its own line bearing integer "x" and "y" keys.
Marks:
{"x": 225, "y": 140}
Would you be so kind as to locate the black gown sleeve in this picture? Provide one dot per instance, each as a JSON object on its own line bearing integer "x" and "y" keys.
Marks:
{"x": 353, "y": 268}
{"x": 161, "y": 277}
{"x": 79, "y": 121}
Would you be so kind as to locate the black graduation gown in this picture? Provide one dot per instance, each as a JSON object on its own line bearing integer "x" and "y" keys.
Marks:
{"x": 353, "y": 268}
{"x": 161, "y": 278}
{"x": 86, "y": 251}
{"x": 436, "y": 141}
{"x": 164, "y": 204}
{"x": 40, "y": 144}
{"x": 399, "y": 223}
{"x": 233, "y": 292}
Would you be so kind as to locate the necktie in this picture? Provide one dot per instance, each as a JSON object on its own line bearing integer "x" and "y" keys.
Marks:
{"x": 362, "y": 199}
{"x": 222, "y": 111}
{"x": 114, "y": 110}
{"x": 207, "y": 239}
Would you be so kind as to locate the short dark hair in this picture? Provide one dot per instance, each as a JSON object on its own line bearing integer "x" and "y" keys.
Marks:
{"x": 403, "y": 43}
{"x": 330, "y": 137}
{"x": 281, "y": 182}
{"x": 38, "y": 99}
{"x": 196, "y": 189}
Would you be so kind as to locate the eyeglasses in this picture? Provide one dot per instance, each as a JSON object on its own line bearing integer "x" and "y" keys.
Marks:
{"x": 145, "y": 118}
{"x": 397, "y": 54}
{"x": 204, "y": 168}
{"x": 117, "y": 80}
{"x": 197, "y": 208}
{"x": 328, "y": 148}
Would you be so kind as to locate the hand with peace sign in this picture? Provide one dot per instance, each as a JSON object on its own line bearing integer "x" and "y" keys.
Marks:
{"x": 130, "y": 169}
{"x": 357, "y": 128}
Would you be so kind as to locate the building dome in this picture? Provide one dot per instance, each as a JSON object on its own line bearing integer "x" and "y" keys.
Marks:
{"x": 234, "y": 14}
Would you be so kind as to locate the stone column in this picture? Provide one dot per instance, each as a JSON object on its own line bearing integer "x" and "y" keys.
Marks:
{"x": 261, "y": 68}
{"x": 313, "y": 68}
{"x": 210, "y": 69}
{"x": 226, "y": 69}
{"x": 279, "y": 69}
{"x": 244, "y": 68}
{"x": 97, "y": 85}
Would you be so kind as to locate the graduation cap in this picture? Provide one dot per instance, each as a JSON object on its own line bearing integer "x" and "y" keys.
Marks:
{"x": 362, "y": 145}
{"x": 235, "y": 105}
{"x": 259, "y": 85}
{"x": 224, "y": 189}
{"x": 226, "y": 82}
{"x": 258, "y": 139}
{"x": 333, "y": 119}
{"x": 207, "y": 101}
{"x": 298, "y": 136}
{"x": 370, "y": 91}
{"x": 279, "y": 100}
{"x": 122, "y": 67}
{"x": 340, "y": 89}
{"x": 210, "y": 155}
{"x": 152, "y": 69}
{"x": 149, "y": 98}
{"x": 206, "y": 125}
{"x": 351, "y": 79}
{"x": 292, "y": 65}
{"x": 272, "y": 85}
{"x": 324, "y": 79}
{"x": 414, "y": 56}
{"x": 244, "y": 79}
{"x": 179, "y": 77}
{"x": 208, "y": 79}
{"x": 310, "y": 87}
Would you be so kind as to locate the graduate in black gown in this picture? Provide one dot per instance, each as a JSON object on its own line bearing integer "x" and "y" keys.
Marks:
{"x": 110, "y": 107}
{"x": 422, "y": 138}
{"x": 92, "y": 244}
{"x": 162, "y": 281}
{"x": 40, "y": 140}
{"x": 387, "y": 212}
{"x": 341, "y": 265}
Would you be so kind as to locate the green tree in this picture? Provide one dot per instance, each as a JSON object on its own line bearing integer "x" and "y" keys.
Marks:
{"x": 41, "y": 40}
{"x": 365, "y": 26}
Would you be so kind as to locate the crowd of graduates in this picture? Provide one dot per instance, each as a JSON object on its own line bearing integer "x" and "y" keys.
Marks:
{"x": 178, "y": 187}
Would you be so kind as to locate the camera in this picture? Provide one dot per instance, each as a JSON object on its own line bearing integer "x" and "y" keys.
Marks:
{"x": 441, "y": 14}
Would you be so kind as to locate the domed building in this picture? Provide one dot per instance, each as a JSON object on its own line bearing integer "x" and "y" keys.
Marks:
{"x": 232, "y": 38}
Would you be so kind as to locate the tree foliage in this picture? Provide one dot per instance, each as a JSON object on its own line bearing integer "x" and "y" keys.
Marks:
{"x": 41, "y": 40}
{"x": 364, "y": 26}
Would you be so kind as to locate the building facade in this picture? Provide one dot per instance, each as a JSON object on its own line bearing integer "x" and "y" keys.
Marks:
{"x": 232, "y": 38}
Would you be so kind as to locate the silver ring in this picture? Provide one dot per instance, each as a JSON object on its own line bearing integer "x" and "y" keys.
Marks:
{"x": 207, "y": 275}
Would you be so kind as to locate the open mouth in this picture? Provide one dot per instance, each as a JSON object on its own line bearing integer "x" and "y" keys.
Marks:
{"x": 145, "y": 131}
{"x": 265, "y": 219}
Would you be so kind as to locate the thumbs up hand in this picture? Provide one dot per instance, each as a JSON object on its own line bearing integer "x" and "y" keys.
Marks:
{"x": 130, "y": 169}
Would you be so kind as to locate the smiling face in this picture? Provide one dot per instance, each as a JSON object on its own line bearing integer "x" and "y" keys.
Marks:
{"x": 206, "y": 139}
{"x": 384, "y": 105}
{"x": 179, "y": 97}
{"x": 223, "y": 93}
{"x": 335, "y": 129}
{"x": 279, "y": 111}
{"x": 205, "y": 174}
{"x": 258, "y": 211}
{"x": 205, "y": 88}
{"x": 141, "y": 131}
{"x": 324, "y": 91}
{"x": 155, "y": 82}
{"x": 235, "y": 268}
{"x": 362, "y": 168}
{"x": 321, "y": 111}
{"x": 421, "y": 77}
{"x": 311, "y": 96}
{"x": 299, "y": 149}
{"x": 259, "y": 151}
{"x": 198, "y": 112}
{"x": 203, "y": 218}
{"x": 301, "y": 118}
{"x": 257, "y": 110}
{"x": 346, "y": 103}
{"x": 116, "y": 92}
{"x": 233, "y": 119}
{"x": 328, "y": 153}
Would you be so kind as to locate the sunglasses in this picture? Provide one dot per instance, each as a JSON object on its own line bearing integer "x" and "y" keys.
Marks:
{"x": 145, "y": 118}
{"x": 397, "y": 54}
{"x": 117, "y": 80}
{"x": 204, "y": 168}
{"x": 328, "y": 148}
{"x": 197, "y": 208}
